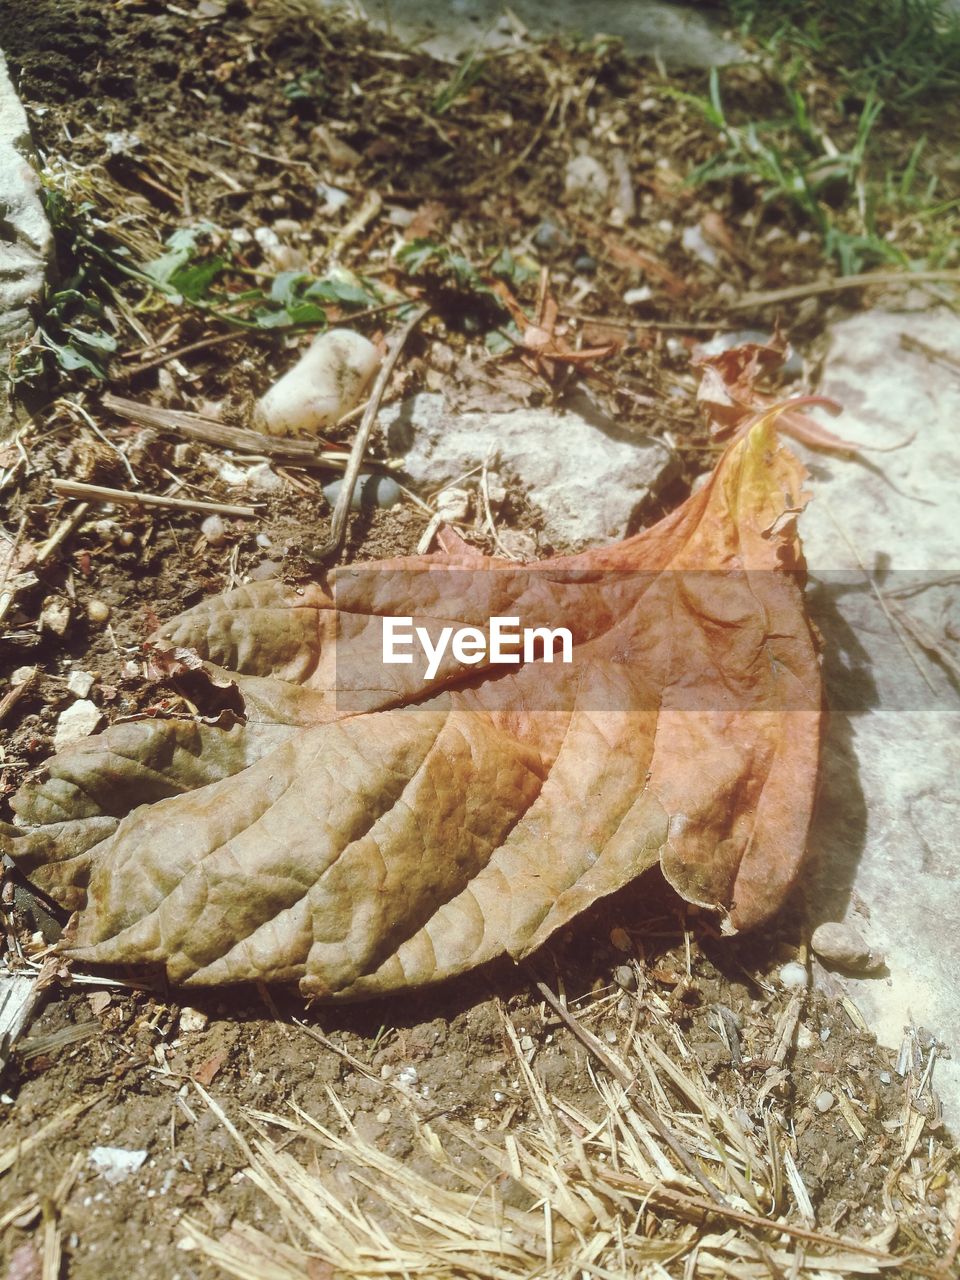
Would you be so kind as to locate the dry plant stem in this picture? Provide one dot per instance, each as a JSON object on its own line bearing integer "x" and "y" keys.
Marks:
{"x": 13, "y": 696}
{"x": 283, "y": 161}
{"x": 650, "y": 1116}
{"x": 861, "y": 281}
{"x": 681, "y": 1201}
{"x": 672, "y": 326}
{"x": 63, "y": 531}
{"x": 203, "y": 344}
{"x": 196, "y": 427}
{"x": 341, "y": 512}
{"x": 100, "y": 493}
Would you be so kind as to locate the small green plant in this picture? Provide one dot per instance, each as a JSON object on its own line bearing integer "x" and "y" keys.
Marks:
{"x": 794, "y": 163}
{"x": 298, "y": 298}
{"x": 461, "y": 82}
{"x": 906, "y": 52}
{"x": 307, "y": 87}
{"x": 456, "y": 288}
{"x": 74, "y": 330}
{"x": 186, "y": 270}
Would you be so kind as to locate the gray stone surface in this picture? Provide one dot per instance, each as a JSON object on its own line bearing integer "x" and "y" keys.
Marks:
{"x": 885, "y": 839}
{"x": 680, "y": 35}
{"x": 26, "y": 242}
{"x": 587, "y": 479}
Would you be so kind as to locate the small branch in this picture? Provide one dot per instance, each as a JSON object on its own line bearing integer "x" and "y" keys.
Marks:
{"x": 838, "y": 285}
{"x": 203, "y": 344}
{"x": 62, "y": 532}
{"x": 100, "y": 493}
{"x": 15, "y": 693}
{"x": 195, "y": 427}
{"x": 341, "y": 512}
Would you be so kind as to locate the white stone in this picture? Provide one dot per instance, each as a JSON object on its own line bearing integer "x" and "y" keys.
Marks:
{"x": 838, "y": 942}
{"x": 26, "y": 245}
{"x": 585, "y": 178}
{"x": 679, "y": 35}
{"x": 586, "y": 478}
{"x": 793, "y": 974}
{"x": 55, "y": 616}
{"x": 324, "y": 384}
{"x": 78, "y": 721}
{"x": 116, "y": 1163}
{"x": 696, "y": 243}
{"x": 885, "y": 835}
{"x": 824, "y": 1101}
{"x": 79, "y": 683}
{"x": 193, "y": 1019}
{"x": 214, "y": 530}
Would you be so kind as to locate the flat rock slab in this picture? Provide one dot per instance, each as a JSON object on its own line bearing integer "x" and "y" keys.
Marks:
{"x": 882, "y": 540}
{"x": 586, "y": 479}
{"x": 681, "y": 36}
{"x": 26, "y": 242}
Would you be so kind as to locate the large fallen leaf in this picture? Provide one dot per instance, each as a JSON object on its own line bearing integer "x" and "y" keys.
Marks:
{"x": 367, "y": 829}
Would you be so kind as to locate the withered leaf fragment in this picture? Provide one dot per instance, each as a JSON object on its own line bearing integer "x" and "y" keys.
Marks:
{"x": 730, "y": 401}
{"x": 366, "y": 830}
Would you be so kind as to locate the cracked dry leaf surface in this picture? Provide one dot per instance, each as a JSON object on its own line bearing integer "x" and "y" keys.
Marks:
{"x": 366, "y": 829}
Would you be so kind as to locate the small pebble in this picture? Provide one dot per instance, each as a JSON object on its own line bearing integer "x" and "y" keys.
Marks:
{"x": 633, "y": 297}
{"x": 264, "y": 478}
{"x": 116, "y": 1163}
{"x": 548, "y": 235}
{"x": 398, "y": 217}
{"x": 527, "y": 1044}
{"x": 98, "y": 611}
{"x": 793, "y": 975}
{"x": 805, "y": 1038}
{"x": 824, "y": 1101}
{"x": 586, "y": 178}
{"x": 696, "y": 243}
{"x": 610, "y": 1036}
{"x": 380, "y": 491}
{"x": 620, "y": 939}
{"x": 263, "y": 540}
{"x": 586, "y": 265}
{"x": 193, "y": 1019}
{"x": 214, "y": 530}
{"x": 839, "y": 943}
{"x": 333, "y": 198}
{"x": 383, "y": 1115}
{"x": 625, "y": 977}
{"x": 127, "y": 539}
{"x": 886, "y": 1077}
{"x": 407, "y": 1076}
{"x": 55, "y": 616}
{"x": 79, "y": 720}
{"x": 79, "y": 683}
{"x": 22, "y": 675}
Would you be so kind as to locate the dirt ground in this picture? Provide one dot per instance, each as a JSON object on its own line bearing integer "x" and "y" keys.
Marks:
{"x": 225, "y": 100}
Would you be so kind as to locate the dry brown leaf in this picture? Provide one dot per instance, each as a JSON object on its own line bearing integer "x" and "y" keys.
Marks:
{"x": 368, "y": 829}
{"x": 729, "y": 399}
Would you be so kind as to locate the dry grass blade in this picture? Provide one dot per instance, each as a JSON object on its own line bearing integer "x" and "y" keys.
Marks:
{"x": 602, "y": 1195}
